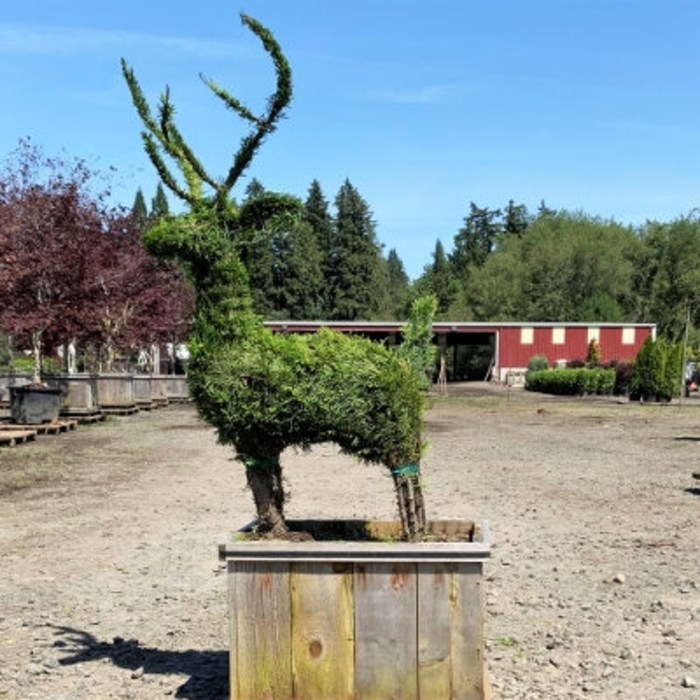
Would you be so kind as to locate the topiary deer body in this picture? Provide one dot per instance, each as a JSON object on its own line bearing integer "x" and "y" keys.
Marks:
{"x": 265, "y": 392}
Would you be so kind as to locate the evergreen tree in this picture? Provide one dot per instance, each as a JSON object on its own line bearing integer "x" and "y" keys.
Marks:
{"x": 139, "y": 212}
{"x": 300, "y": 284}
{"x": 667, "y": 275}
{"x": 260, "y": 243}
{"x": 361, "y": 282}
{"x": 439, "y": 280}
{"x": 475, "y": 241}
{"x": 543, "y": 210}
{"x": 254, "y": 189}
{"x": 516, "y": 219}
{"x": 159, "y": 204}
{"x": 317, "y": 215}
{"x": 398, "y": 285}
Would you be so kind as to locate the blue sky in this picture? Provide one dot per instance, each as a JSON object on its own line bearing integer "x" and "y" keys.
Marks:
{"x": 425, "y": 105}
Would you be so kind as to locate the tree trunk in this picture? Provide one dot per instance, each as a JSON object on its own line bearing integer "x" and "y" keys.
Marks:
{"x": 265, "y": 481}
{"x": 36, "y": 351}
{"x": 409, "y": 495}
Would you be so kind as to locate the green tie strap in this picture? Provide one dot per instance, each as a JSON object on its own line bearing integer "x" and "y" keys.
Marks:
{"x": 408, "y": 469}
{"x": 262, "y": 463}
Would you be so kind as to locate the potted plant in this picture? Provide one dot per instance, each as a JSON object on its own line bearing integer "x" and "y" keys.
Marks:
{"x": 265, "y": 392}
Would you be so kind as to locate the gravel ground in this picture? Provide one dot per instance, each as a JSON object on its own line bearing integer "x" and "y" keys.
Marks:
{"x": 111, "y": 587}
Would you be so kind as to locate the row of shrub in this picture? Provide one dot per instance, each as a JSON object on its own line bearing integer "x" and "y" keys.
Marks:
{"x": 567, "y": 381}
{"x": 656, "y": 373}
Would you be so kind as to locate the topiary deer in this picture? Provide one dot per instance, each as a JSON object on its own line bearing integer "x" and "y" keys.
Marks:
{"x": 265, "y": 392}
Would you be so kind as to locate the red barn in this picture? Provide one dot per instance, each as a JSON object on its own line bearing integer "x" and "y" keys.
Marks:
{"x": 500, "y": 350}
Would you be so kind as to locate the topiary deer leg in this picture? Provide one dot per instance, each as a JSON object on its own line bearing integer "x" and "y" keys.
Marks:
{"x": 409, "y": 495}
{"x": 265, "y": 481}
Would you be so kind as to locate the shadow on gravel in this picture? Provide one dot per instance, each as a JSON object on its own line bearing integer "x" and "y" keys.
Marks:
{"x": 208, "y": 670}
{"x": 693, "y": 490}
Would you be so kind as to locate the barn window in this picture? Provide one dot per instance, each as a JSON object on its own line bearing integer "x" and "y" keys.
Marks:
{"x": 558, "y": 335}
{"x": 593, "y": 333}
{"x": 527, "y": 335}
{"x": 628, "y": 335}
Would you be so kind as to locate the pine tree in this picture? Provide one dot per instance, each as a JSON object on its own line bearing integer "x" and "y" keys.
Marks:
{"x": 254, "y": 189}
{"x": 300, "y": 283}
{"x": 361, "y": 281}
{"x": 398, "y": 285}
{"x": 259, "y": 246}
{"x": 317, "y": 215}
{"x": 544, "y": 210}
{"x": 439, "y": 280}
{"x": 476, "y": 240}
{"x": 139, "y": 212}
{"x": 159, "y": 203}
{"x": 517, "y": 218}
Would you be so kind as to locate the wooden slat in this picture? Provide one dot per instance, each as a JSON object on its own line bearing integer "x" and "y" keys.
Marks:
{"x": 467, "y": 633}
{"x": 322, "y": 631}
{"x": 434, "y": 630}
{"x": 385, "y": 631}
{"x": 16, "y": 437}
{"x": 261, "y": 616}
{"x": 233, "y": 612}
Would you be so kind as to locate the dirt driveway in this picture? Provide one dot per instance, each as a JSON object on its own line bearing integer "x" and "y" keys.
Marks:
{"x": 110, "y": 585}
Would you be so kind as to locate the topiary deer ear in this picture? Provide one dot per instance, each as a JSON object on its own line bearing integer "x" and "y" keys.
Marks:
{"x": 268, "y": 210}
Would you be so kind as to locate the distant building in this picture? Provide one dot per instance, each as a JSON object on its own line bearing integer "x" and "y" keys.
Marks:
{"x": 500, "y": 350}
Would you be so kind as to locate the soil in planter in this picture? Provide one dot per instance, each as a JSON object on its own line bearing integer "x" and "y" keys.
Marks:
{"x": 370, "y": 531}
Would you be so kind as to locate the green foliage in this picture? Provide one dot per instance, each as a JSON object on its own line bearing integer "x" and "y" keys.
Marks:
{"x": 299, "y": 284}
{"x": 159, "y": 203}
{"x": 398, "y": 285}
{"x": 564, "y": 267}
{"x": 537, "y": 362}
{"x": 673, "y": 369}
{"x": 565, "y": 381}
{"x": 360, "y": 281}
{"x": 139, "y": 212}
{"x": 439, "y": 280}
{"x": 417, "y": 348}
{"x": 270, "y": 391}
{"x": 476, "y": 240}
{"x": 593, "y": 352}
{"x": 23, "y": 364}
{"x": 657, "y": 370}
{"x": 317, "y": 215}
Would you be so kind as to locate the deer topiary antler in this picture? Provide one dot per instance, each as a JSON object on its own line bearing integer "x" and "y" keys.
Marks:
{"x": 161, "y": 137}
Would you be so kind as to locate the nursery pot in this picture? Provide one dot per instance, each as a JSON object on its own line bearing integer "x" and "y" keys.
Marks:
{"x": 356, "y": 614}
{"x": 34, "y": 405}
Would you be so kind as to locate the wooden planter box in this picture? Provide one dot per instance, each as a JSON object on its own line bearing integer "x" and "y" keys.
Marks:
{"x": 338, "y": 618}
{"x": 79, "y": 394}
{"x": 159, "y": 392}
{"x": 8, "y": 380}
{"x": 176, "y": 388}
{"x": 143, "y": 392}
{"x": 115, "y": 393}
{"x": 32, "y": 405}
